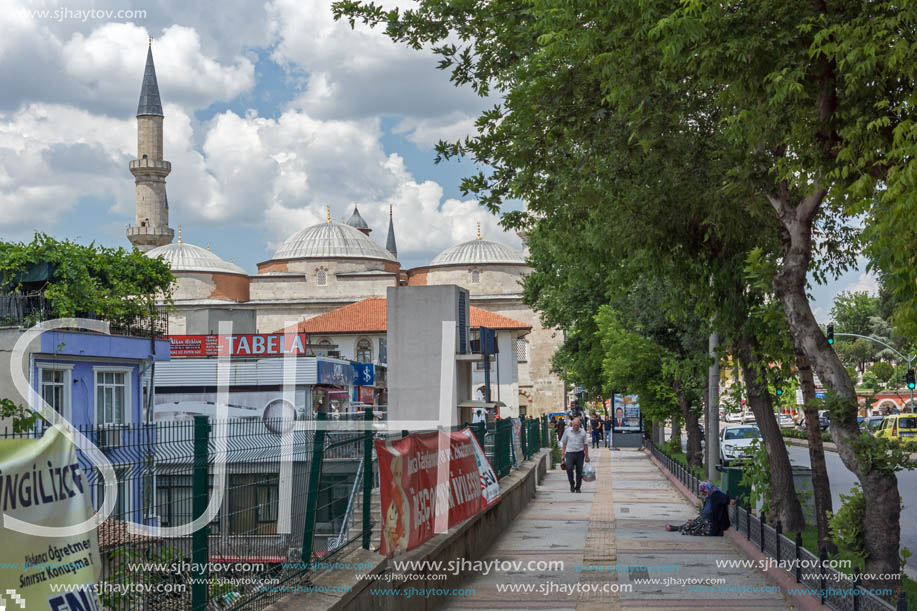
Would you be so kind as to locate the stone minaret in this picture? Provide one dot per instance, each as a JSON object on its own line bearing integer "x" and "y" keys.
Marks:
{"x": 390, "y": 240}
{"x": 149, "y": 169}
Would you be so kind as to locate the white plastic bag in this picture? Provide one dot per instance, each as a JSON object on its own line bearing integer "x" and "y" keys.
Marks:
{"x": 589, "y": 472}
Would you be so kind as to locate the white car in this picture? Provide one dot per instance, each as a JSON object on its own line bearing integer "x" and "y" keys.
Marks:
{"x": 733, "y": 417}
{"x": 785, "y": 421}
{"x": 736, "y": 442}
{"x": 748, "y": 418}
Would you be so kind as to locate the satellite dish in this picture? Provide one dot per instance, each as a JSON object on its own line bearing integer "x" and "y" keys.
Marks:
{"x": 279, "y": 416}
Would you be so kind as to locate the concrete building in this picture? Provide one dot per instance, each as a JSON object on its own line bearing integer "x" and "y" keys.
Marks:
{"x": 328, "y": 266}
{"x": 359, "y": 332}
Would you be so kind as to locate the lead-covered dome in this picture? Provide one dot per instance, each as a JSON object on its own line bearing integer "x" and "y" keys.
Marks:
{"x": 479, "y": 252}
{"x": 183, "y": 257}
{"x": 331, "y": 241}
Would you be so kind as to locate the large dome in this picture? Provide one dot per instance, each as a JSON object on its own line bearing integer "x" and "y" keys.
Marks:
{"x": 479, "y": 252}
{"x": 331, "y": 241}
{"x": 183, "y": 257}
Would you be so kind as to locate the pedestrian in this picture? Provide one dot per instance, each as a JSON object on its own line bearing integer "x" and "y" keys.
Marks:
{"x": 713, "y": 518}
{"x": 575, "y": 450}
{"x": 596, "y": 431}
{"x": 561, "y": 426}
{"x": 608, "y": 426}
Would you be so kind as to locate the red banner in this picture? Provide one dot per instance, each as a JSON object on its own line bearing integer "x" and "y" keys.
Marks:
{"x": 413, "y": 498}
{"x": 273, "y": 344}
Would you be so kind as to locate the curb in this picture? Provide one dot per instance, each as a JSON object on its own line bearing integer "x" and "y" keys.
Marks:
{"x": 778, "y": 577}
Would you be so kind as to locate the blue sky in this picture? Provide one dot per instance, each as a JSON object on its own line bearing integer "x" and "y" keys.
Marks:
{"x": 273, "y": 111}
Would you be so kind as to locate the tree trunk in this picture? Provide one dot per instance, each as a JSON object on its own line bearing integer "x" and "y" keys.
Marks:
{"x": 784, "y": 501}
{"x": 692, "y": 426}
{"x": 821, "y": 486}
{"x": 676, "y": 434}
{"x": 881, "y": 524}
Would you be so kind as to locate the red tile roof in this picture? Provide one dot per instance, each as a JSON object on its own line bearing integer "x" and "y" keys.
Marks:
{"x": 369, "y": 316}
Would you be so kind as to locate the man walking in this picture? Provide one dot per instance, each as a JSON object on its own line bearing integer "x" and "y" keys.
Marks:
{"x": 608, "y": 436}
{"x": 575, "y": 450}
{"x": 596, "y": 431}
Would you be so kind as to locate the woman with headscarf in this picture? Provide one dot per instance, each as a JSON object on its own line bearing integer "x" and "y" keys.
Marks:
{"x": 714, "y": 516}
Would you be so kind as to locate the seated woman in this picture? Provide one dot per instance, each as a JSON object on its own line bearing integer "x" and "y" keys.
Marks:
{"x": 714, "y": 516}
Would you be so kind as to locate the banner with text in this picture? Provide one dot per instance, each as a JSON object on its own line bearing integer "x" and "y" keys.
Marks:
{"x": 249, "y": 344}
{"x": 411, "y": 496}
{"x": 41, "y": 483}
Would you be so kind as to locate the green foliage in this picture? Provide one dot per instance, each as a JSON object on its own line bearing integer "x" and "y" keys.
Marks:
{"x": 756, "y": 474}
{"x": 884, "y": 372}
{"x": 853, "y": 312}
{"x": 23, "y": 419}
{"x": 112, "y": 283}
{"x": 847, "y": 523}
{"x": 796, "y": 434}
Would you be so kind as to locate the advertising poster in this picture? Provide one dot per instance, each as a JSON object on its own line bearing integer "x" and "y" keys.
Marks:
{"x": 490, "y": 484}
{"x": 627, "y": 413}
{"x": 411, "y": 498}
{"x": 517, "y": 442}
{"x": 42, "y": 484}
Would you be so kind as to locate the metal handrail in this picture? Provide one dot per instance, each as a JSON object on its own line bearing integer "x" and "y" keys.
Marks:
{"x": 345, "y": 524}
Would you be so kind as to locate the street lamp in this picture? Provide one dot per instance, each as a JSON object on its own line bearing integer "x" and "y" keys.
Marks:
{"x": 909, "y": 358}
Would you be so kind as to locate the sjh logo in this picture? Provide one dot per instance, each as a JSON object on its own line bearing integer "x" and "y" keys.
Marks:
{"x": 14, "y": 596}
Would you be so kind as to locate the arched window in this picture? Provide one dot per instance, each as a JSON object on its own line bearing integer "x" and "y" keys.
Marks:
{"x": 321, "y": 277}
{"x": 364, "y": 351}
{"x": 475, "y": 277}
{"x": 522, "y": 350}
{"x": 324, "y": 345}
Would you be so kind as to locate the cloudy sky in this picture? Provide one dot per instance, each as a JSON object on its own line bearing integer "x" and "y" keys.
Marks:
{"x": 272, "y": 111}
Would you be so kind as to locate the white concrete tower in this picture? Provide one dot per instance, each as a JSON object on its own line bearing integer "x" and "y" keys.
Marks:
{"x": 149, "y": 170}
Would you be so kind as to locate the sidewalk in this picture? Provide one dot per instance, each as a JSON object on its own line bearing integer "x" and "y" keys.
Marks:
{"x": 617, "y": 520}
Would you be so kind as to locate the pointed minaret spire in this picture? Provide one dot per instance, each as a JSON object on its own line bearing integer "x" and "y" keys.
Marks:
{"x": 390, "y": 241}
{"x": 149, "y": 91}
{"x": 150, "y": 169}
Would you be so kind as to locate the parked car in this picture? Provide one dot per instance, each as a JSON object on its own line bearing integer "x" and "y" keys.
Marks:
{"x": 785, "y": 421}
{"x": 899, "y": 426}
{"x": 823, "y": 421}
{"x": 871, "y": 424}
{"x": 748, "y": 417}
{"x": 733, "y": 417}
{"x": 736, "y": 442}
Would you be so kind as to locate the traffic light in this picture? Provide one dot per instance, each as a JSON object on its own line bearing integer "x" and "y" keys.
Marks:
{"x": 777, "y": 385}
{"x": 910, "y": 379}
{"x": 831, "y": 334}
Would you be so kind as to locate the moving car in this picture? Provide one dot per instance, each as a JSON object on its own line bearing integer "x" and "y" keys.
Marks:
{"x": 736, "y": 442}
{"x": 899, "y": 426}
{"x": 748, "y": 418}
{"x": 733, "y": 417}
{"x": 785, "y": 421}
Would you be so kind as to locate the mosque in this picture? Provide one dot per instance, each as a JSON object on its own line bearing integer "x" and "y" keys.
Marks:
{"x": 329, "y": 266}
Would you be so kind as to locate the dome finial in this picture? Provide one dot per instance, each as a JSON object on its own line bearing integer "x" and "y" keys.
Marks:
{"x": 179, "y": 234}
{"x": 208, "y": 246}
{"x": 329, "y": 215}
{"x": 479, "y": 230}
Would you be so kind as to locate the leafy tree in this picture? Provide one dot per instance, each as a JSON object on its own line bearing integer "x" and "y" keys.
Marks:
{"x": 111, "y": 283}
{"x": 884, "y": 372}
{"x": 854, "y": 312}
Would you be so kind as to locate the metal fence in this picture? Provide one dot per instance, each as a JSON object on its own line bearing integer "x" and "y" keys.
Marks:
{"x": 838, "y": 590}
{"x": 278, "y": 523}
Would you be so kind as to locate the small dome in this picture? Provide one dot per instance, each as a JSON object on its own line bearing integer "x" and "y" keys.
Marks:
{"x": 356, "y": 221}
{"x": 479, "y": 252}
{"x": 331, "y": 241}
{"x": 183, "y": 257}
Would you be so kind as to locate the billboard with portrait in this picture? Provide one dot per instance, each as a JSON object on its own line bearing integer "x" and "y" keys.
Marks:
{"x": 626, "y": 416}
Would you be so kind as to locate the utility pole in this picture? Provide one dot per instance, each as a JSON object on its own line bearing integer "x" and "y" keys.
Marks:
{"x": 712, "y": 419}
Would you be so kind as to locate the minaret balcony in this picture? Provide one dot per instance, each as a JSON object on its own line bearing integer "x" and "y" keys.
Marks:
{"x": 156, "y": 167}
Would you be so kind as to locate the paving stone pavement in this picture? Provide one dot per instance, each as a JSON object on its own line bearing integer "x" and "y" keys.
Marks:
{"x": 617, "y": 520}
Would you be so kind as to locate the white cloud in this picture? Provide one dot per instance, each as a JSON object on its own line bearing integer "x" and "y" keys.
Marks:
{"x": 426, "y": 132}
{"x": 866, "y": 282}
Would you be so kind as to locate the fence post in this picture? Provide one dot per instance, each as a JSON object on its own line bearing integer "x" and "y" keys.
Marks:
{"x": 798, "y": 547}
{"x": 367, "y": 479}
{"x": 523, "y": 441}
{"x": 822, "y": 558}
{"x": 748, "y": 521}
{"x": 779, "y": 533}
{"x": 200, "y": 554}
{"x": 856, "y": 588}
{"x": 761, "y": 524}
{"x": 315, "y": 472}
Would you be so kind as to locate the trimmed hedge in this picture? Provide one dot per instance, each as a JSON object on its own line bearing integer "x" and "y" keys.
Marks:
{"x": 802, "y": 434}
